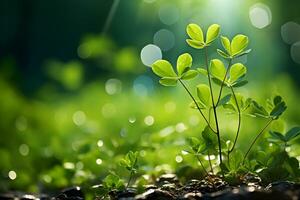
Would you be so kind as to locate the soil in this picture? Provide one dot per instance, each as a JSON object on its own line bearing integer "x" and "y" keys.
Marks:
{"x": 168, "y": 187}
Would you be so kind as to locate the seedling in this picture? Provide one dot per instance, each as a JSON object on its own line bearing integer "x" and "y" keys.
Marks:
{"x": 130, "y": 163}
{"x": 206, "y": 101}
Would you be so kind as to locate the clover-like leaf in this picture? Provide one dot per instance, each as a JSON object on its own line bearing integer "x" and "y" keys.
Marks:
{"x": 195, "y": 32}
{"x": 168, "y": 81}
{"x": 202, "y": 71}
{"x": 226, "y": 44}
{"x": 212, "y": 33}
{"x": 199, "y": 104}
{"x": 237, "y": 71}
{"x": 224, "y": 100}
{"x": 189, "y": 75}
{"x": 184, "y": 62}
{"x": 238, "y": 44}
{"x": 278, "y": 136}
{"x": 259, "y": 110}
{"x": 203, "y": 93}
{"x": 217, "y": 69}
{"x": 163, "y": 68}
{"x": 223, "y": 54}
{"x": 195, "y": 44}
{"x": 279, "y": 107}
{"x": 293, "y": 133}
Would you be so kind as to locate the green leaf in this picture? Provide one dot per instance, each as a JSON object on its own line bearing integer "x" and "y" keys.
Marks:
{"x": 238, "y": 44}
{"x": 189, "y": 75}
{"x": 243, "y": 53}
{"x": 277, "y": 136}
{"x": 223, "y": 54}
{"x": 203, "y": 93}
{"x": 237, "y": 71}
{"x": 184, "y": 62}
{"x": 195, "y": 144}
{"x": 113, "y": 181}
{"x": 195, "y": 32}
{"x": 278, "y": 110}
{"x": 209, "y": 137}
{"x": 168, "y": 81}
{"x": 212, "y": 33}
{"x": 163, "y": 68}
{"x": 224, "y": 100}
{"x": 195, "y": 44}
{"x": 240, "y": 83}
{"x": 236, "y": 160}
{"x": 217, "y": 69}
{"x": 202, "y": 71}
{"x": 259, "y": 110}
{"x": 200, "y": 105}
{"x": 293, "y": 133}
{"x": 226, "y": 44}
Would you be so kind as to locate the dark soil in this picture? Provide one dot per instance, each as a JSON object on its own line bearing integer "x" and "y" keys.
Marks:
{"x": 168, "y": 187}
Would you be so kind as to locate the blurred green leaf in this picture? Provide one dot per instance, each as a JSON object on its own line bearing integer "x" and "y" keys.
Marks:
{"x": 168, "y": 81}
{"x": 189, "y": 75}
{"x": 203, "y": 93}
{"x": 292, "y": 133}
{"x": 217, "y": 69}
{"x": 237, "y": 71}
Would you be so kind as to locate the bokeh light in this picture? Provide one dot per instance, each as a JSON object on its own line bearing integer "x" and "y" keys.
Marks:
{"x": 260, "y": 15}
{"x": 165, "y": 39}
{"x": 295, "y": 52}
{"x": 150, "y": 53}
{"x": 290, "y": 32}
{"x": 169, "y": 13}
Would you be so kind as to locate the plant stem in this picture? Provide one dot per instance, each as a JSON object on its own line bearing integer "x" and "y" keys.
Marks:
{"x": 211, "y": 168}
{"x": 214, "y": 106}
{"x": 131, "y": 173}
{"x": 198, "y": 108}
{"x": 268, "y": 123}
{"x": 201, "y": 164}
{"x": 222, "y": 85}
{"x": 239, "y": 120}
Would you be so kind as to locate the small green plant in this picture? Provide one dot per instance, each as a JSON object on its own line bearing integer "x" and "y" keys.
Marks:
{"x": 130, "y": 162}
{"x": 210, "y": 98}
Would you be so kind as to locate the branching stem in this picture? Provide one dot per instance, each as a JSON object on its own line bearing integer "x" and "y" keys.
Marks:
{"x": 222, "y": 85}
{"x": 201, "y": 164}
{"x": 198, "y": 108}
{"x": 214, "y": 107}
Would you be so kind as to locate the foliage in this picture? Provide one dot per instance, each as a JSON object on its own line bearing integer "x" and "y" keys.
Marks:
{"x": 232, "y": 162}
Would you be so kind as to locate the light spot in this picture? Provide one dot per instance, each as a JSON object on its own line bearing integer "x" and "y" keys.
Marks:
{"x": 251, "y": 189}
{"x": 288, "y": 149}
{"x": 180, "y": 127}
{"x": 194, "y": 120}
{"x": 168, "y": 14}
{"x": 260, "y": 15}
{"x": 178, "y": 159}
{"x": 12, "y": 175}
{"x": 142, "y": 153}
{"x": 166, "y": 131}
{"x": 69, "y": 165}
{"x": 109, "y": 110}
{"x": 24, "y": 149}
{"x": 149, "y": 120}
{"x": 170, "y": 107}
{"x": 99, "y": 161}
{"x": 165, "y": 39}
{"x": 79, "y": 118}
{"x": 132, "y": 119}
{"x": 212, "y": 157}
{"x": 84, "y": 51}
{"x": 290, "y": 32}
{"x": 100, "y": 143}
{"x": 270, "y": 144}
{"x": 150, "y": 53}
{"x": 47, "y": 178}
{"x": 123, "y": 132}
{"x": 295, "y": 52}
{"x": 79, "y": 165}
{"x": 113, "y": 86}
{"x": 21, "y": 123}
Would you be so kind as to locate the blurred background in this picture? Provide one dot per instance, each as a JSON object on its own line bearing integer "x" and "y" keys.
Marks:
{"x": 77, "y": 92}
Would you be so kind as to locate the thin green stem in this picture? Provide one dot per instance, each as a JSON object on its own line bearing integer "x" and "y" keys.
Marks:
{"x": 239, "y": 121}
{"x": 131, "y": 173}
{"x": 222, "y": 85}
{"x": 214, "y": 107}
{"x": 198, "y": 108}
{"x": 209, "y": 160}
{"x": 259, "y": 134}
{"x": 201, "y": 164}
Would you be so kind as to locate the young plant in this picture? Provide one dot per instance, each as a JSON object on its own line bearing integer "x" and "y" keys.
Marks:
{"x": 230, "y": 77}
{"x": 130, "y": 163}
